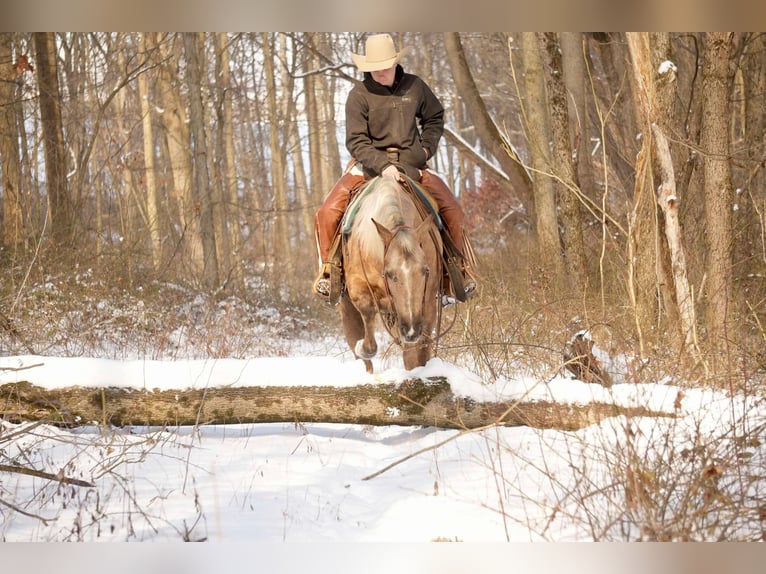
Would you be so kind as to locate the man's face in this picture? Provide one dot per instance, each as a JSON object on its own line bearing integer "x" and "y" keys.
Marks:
{"x": 385, "y": 77}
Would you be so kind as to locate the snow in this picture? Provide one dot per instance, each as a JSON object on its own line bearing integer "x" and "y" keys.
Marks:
{"x": 666, "y": 67}
{"x": 295, "y": 482}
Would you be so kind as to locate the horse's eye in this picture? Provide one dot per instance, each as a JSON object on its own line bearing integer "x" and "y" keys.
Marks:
{"x": 390, "y": 276}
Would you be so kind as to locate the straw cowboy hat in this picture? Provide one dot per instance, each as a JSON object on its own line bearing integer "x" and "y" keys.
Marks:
{"x": 380, "y": 54}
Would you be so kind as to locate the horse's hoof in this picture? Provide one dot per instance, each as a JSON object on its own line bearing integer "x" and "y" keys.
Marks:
{"x": 359, "y": 350}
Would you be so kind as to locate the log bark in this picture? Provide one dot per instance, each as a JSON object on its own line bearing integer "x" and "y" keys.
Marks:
{"x": 427, "y": 402}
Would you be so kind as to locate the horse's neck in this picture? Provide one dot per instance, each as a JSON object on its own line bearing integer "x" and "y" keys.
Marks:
{"x": 386, "y": 206}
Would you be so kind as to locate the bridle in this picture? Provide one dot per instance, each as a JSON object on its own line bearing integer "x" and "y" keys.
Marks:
{"x": 391, "y": 319}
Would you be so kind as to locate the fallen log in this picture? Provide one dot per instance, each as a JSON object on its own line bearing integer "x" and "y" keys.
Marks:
{"x": 427, "y": 402}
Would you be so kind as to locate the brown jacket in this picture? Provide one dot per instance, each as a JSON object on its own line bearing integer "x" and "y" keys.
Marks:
{"x": 407, "y": 116}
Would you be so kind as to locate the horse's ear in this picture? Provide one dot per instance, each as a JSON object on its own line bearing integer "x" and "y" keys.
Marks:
{"x": 383, "y": 231}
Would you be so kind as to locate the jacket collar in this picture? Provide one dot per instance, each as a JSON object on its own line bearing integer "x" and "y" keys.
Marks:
{"x": 379, "y": 89}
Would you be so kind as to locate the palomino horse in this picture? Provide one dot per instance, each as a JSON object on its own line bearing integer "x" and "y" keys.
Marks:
{"x": 393, "y": 269}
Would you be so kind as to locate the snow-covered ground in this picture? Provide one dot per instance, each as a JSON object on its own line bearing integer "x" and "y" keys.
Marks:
{"x": 307, "y": 482}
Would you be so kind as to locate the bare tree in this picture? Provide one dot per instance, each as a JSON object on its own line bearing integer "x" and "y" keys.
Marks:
{"x": 125, "y": 188}
{"x": 328, "y": 87}
{"x": 714, "y": 141}
{"x": 174, "y": 120}
{"x": 319, "y": 186}
{"x": 59, "y": 202}
{"x": 229, "y": 168}
{"x": 9, "y": 144}
{"x": 573, "y": 63}
{"x": 539, "y": 137}
{"x": 193, "y": 45}
{"x": 486, "y": 128}
{"x": 655, "y": 85}
{"x": 152, "y": 214}
{"x": 282, "y": 262}
{"x": 753, "y": 74}
{"x": 568, "y": 191}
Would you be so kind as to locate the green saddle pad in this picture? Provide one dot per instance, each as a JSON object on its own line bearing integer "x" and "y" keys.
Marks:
{"x": 356, "y": 202}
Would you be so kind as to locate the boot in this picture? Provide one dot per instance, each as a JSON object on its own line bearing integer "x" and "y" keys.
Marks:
{"x": 469, "y": 283}
{"x": 329, "y": 282}
{"x": 469, "y": 288}
{"x": 321, "y": 286}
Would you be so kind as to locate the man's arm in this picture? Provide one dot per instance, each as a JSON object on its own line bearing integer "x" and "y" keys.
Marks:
{"x": 431, "y": 120}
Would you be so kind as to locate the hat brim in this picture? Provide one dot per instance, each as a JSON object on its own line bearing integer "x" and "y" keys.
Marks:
{"x": 365, "y": 66}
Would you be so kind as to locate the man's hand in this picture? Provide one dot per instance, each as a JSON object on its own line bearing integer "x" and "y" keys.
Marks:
{"x": 391, "y": 171}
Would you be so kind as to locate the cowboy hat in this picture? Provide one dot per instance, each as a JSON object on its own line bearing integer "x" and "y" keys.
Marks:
{"x": 380, "y": 54}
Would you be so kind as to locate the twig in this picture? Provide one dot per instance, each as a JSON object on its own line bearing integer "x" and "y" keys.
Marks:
{"x": 422, "y": 450}
{"x": 16, "y": 369}
{"x": 25, "y": 513}
{"x": 500, "y": 421}
{"x": 23, "y": 430}
{"x": 46, "y": 475}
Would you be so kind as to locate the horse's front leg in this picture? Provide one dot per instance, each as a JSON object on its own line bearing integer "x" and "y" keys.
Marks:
{"x": 416, "y": 354}
{"x": 353, "y": 327}
{"x": 367, "y": 347}
{"x": 419, "y": 353}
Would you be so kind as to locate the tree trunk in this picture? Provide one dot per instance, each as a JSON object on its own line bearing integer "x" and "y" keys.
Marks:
{"x": 486, "y": 129}
{"x": 199, "y": 152}
{"x": 614, "y": 99}
{"x": 125, "y": 186}
{"x": 318, "y": 185}
{"x": 304, "y": 231}
{"x": 573, "y": 60}
{"x": 282, "y": 262}
{"x": 152, "y": 214}
{"x": 327, "y": 89}
{"x": 567, "y": 185}
{"x": 644, "y": 284}
{"x": 174, "y": 120}
{"x": 9, "y": 149}
{"x": 667, "y": 252}
{"x": 59, "y": 202}
{"x": 654, "y": 93}
{"x": 538, "y": 137}
{"x": 754, "y": 212}
{"x": 231, "y": 200}
{"x": 718, "y": 187}
{"x": 427, "y": 402}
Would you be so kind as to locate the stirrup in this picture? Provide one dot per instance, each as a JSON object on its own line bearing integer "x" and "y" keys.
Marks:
{"x": 469, "y": 288}
{"x": 322, "y": 287}
{"x": 329, "y": 284}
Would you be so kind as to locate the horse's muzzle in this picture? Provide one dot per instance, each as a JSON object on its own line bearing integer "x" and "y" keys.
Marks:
{"x": 411, "y": 333}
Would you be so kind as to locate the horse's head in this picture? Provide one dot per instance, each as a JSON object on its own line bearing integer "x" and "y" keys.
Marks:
{"x": 406, "y": 271}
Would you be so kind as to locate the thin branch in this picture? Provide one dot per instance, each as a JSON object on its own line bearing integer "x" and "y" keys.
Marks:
{"x": 25, "y": 513}
{"x": 48, "y": 476}
{"x": 24, "y": 430}
{"x": 498, "y": 422}
{"x": 24, "y": 368}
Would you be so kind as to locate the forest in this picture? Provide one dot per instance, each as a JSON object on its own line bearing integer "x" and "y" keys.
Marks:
{"x": 611, "y": 181}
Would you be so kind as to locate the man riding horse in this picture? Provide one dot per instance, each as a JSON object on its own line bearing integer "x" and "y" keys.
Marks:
{"x": 393, "y": 126}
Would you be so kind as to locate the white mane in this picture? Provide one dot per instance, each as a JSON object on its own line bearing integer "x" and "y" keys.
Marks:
{"x": 383, "y": 204}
